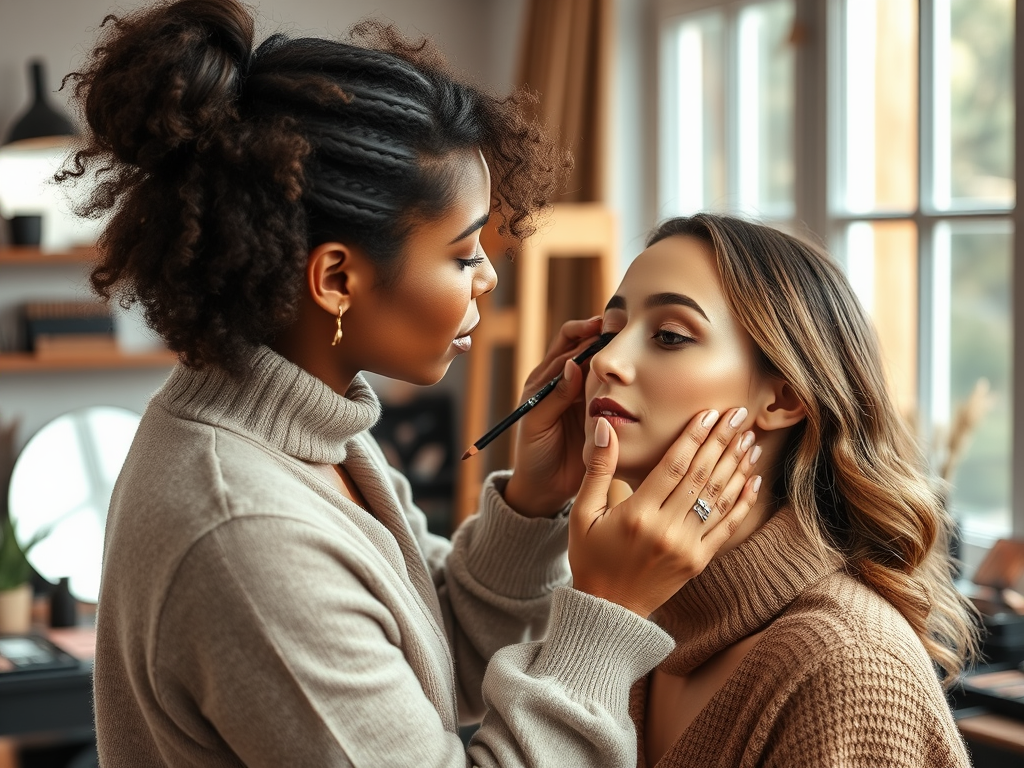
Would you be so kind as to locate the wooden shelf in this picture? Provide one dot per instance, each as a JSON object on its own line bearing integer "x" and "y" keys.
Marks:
{"x": 32, "y": 256}
{"x": 27, "y": 362}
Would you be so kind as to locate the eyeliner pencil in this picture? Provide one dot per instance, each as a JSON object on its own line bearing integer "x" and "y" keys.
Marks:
{"x": 528, "y": 406}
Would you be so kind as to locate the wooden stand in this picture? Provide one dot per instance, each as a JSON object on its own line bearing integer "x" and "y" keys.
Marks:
{"x": 551, "y": 287}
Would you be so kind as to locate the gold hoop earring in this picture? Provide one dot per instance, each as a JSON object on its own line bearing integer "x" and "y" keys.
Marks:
{"x": 337, "y": 333}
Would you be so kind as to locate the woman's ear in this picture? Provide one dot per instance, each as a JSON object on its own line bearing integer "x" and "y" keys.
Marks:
{"x": 334, "y": 272}
{"x": 782, "y": 408}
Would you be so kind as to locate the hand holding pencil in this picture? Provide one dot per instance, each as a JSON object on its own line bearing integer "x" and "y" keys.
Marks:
{"x": 548, "y": 451}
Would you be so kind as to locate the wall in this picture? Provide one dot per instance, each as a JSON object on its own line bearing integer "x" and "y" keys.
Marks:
{"x": 61, "y": 31}
{"x": 479, "y": 36}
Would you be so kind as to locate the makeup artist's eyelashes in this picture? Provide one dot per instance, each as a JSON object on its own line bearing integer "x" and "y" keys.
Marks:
{"x": 476, "y": 261}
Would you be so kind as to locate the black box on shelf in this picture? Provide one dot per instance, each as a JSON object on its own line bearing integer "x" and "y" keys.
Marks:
{"x": 63, "y": 325}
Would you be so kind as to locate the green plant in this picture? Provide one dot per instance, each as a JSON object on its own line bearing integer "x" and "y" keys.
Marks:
{"x": 14, "y": 566}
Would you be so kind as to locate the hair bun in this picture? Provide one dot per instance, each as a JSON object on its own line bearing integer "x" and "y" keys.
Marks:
{"x": 163, "y": 78}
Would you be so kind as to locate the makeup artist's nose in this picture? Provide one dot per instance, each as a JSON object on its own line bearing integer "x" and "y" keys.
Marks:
{"x": 613, "y": 363}
{"x": 485, "y": 278}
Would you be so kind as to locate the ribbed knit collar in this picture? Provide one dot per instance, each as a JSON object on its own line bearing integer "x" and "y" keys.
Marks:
{"x": 742, "y": 591}
{"x": 277, "y": 402}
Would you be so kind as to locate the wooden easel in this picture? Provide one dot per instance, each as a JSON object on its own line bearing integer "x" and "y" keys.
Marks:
{"x": 543, "y": 300}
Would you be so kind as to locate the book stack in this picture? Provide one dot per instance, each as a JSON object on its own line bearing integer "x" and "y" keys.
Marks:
{"x": 68, "y": 328}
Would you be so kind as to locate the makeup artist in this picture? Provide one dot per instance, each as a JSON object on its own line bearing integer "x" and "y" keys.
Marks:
{"x": 287, "y": 218}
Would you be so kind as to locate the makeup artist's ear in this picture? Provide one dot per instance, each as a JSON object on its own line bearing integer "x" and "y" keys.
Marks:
{"x": 334, "y": 274}
{"x": 780, "y": 408}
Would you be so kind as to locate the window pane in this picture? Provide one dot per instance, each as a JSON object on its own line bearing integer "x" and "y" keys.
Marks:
{"x": 878, "y": 130}
{"x": 881, "y": 263}
{"x": 974, "y": 104}
{"x": 975, "y": 343}
{"x": 694, "y": 129}
{"x": 727, "y": 111}
{"x": 764, "y": 122}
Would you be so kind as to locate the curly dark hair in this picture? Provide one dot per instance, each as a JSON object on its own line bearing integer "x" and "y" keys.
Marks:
{"x": 221, "y": 166}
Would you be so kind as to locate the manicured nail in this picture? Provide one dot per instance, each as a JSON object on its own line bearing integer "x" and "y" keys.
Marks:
{"x": 757, "y": 484}
{"x": 569, "y": 371}
{"x": 755, "y": 455}
{"x": 738, "y": 417}
{"x": 747, "y": 441}
{"x": 602, "y": 433}
{"x": 709, "y": 419}
{"x": 595, "y": 318}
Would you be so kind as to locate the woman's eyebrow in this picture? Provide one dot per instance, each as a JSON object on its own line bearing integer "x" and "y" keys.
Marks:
{"x": 615, "y": 302}
{"x": 472, "y": 228}
{"x": 658, "y": 300}
{"x": 665, "y": 299}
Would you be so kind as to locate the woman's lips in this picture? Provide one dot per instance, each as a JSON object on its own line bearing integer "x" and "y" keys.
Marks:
{"x": 463, "y": 343}
{"x": 612, "y": 411}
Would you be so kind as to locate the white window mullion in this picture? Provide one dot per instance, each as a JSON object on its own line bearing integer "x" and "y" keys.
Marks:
{"x": 935, "y": 76}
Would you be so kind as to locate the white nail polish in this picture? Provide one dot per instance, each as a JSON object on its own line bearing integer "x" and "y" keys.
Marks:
{"x": 602, "y": 433}
{"x": 738, "y": 417}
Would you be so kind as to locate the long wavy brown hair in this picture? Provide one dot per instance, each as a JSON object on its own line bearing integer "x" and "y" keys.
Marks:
{"x": 220, "y": 163}
{"x": 852, "y": 470}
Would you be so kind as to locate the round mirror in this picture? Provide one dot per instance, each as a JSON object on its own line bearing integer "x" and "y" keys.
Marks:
{"x": 62, "y": 481}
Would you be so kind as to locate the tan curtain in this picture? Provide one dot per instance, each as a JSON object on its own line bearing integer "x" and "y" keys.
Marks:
{"x": 566, "y": 57}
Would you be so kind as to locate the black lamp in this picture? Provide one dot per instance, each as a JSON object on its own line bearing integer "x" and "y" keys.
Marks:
{"x": 40, "y": 120}
{"x": 26, "y": 155}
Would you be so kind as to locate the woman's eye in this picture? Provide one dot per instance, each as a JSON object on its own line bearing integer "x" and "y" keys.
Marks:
{"x": 672, "y": 339}
{"x": 476, "y": 261}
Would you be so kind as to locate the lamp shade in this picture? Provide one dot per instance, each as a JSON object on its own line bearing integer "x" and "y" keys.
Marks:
{"x": 40, "y": 119}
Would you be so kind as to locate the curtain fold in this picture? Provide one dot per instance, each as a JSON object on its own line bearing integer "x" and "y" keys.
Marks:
{"x": 566, "y": 58}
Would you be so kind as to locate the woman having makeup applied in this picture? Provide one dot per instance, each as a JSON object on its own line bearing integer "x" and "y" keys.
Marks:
{"x": 288, "y": 217}
{"x": 814, "y": 635}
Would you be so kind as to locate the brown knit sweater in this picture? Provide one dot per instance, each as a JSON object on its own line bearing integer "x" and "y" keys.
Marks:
{"x": 837, "y": 679}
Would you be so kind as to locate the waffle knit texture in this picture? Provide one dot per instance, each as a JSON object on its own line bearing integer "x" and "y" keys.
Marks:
{"x": 838, "y": 679}
{"x": 252, "y": 615}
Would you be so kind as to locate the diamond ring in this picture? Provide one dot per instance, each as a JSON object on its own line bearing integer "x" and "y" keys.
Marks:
{"x": 702, "y": 508}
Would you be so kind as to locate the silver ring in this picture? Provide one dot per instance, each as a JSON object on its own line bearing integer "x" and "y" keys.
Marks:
{"x": 702, "y": 508}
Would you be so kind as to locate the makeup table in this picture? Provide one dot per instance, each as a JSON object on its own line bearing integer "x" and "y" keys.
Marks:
{"x": 992, "y": 728}
{"x": 994, "y": 740}
{"x": 52, "y": 707}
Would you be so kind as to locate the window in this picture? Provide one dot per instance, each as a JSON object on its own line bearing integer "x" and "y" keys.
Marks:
{"x": 914, "y": 109}
{"x": 727, "y": 119}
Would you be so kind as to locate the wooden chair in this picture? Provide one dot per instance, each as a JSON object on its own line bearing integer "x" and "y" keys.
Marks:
{"x": 569, "y": 268}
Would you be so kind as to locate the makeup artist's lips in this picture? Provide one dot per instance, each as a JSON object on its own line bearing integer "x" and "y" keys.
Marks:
{"x": 611, "y": 410}
{"x": 463, "y": 343}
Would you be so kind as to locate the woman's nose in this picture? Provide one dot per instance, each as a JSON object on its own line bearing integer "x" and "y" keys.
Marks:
{"x": 486, "y": 278}
{"x": 613, "y": 363}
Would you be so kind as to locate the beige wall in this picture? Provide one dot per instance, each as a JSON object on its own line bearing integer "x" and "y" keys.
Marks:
{"x": 477, "y": 35}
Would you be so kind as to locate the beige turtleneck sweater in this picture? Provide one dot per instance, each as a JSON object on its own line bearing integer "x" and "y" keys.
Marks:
{"x": 252, "y": 615}
{"x": 838, "y": 679}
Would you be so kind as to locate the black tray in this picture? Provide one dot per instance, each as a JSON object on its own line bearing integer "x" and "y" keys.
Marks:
{"x": 1000, "y": 688}
{"x": 32, "y": 653}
